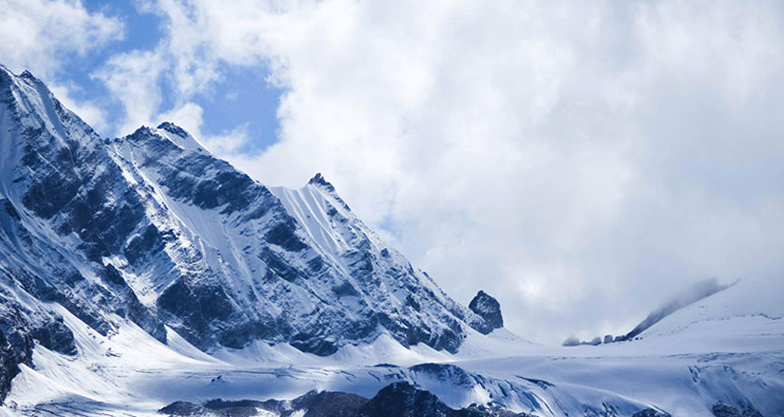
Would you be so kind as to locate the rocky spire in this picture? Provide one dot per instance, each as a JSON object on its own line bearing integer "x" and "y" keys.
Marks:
{"x": 489, "y": 309}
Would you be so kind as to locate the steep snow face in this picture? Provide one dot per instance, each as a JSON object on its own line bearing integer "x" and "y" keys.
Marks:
{"x": 404, "y": 300}
{"x": 153, "y": 228}
{"x": 64, "y": 207}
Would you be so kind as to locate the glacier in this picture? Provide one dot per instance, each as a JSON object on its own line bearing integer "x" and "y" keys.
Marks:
{"x": 143, "y": 273}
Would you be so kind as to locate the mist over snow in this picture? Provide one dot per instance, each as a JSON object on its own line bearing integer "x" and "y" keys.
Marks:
{"x": 696, "y": 292}
{"x": 582, "y": 162}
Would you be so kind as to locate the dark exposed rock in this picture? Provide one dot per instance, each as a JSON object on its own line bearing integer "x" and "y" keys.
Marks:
{"x": 488, "y": 309}
{"x": 452, "y": 374}
{"x": 596, "y": 341}
{"x": 207, "y": 182}
{"x": 316, "y": 264}
{"x": 650, "y": 412}
{"x": 221, "y": 408}
{"x": 184, "y": 408}
{"x": 113, "y": 276}
{"x": 56, "y": 336}
{"x": 83, "y": 310}
{"x": 142, "y": 246}
{"x": 488, "y": 411}
{"x": 173, "y": 128}
{"x": 409, "y": 333}
{"x": 345, "y": 290}
{"x": 399, "y": 399}
{"x": 319, "y": 180}
{"x": 412, "y": 302}
{"x": 238, "y": 336}
{"x": 571, "y": 341}
{"x": 307, "y": 343}
{"x": 279, "y": 266}
{"x": 607, "y": 410}
{"x": 15, "y": 346}
{"x": 269, "y": 405}
{"x": 723, "y": 410}
{"x": 539, "y": 382}
{"x": 328, "y": 404}
{"x": 11, "y": 210}
{"x": 197, "y": 306}
{"x": 141, "y": 315}
{"x": 283, "y": 235}
{"x": 402, "y": 399}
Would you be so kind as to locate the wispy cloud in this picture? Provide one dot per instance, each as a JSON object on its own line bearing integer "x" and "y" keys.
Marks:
{"x": 39, "y": 35}
{"x": 134, "y": 79}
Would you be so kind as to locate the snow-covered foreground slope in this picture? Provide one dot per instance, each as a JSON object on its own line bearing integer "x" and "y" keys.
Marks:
{"x": 727, "y": 348}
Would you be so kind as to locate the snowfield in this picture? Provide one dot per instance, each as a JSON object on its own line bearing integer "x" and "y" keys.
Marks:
{"x": 727, "y": 348}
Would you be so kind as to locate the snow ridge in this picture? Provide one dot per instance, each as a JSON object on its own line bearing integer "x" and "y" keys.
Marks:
{"x": 153, "y": 228}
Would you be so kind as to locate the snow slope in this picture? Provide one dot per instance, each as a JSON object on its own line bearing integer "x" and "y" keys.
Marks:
{"x": 675, "y": 368}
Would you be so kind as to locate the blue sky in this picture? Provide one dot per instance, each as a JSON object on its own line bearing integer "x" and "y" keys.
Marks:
{"x": 581, "y": 161}
{"x": 239, "y": 97}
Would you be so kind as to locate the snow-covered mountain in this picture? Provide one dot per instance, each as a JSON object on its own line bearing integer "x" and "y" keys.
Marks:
{"x": 144, "y": 276}
{"x": 153, "y": 228}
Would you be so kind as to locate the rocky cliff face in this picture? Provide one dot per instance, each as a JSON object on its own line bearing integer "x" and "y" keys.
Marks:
{"x": 153, "y": 228}
{"x": 488, "y": 308}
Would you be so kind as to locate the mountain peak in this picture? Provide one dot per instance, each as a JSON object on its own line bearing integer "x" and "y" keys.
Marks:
{"x": 141, "y": 130}
{"x": 170, "y": 132}
{"x": 173, "y": 128}
{"x": 5, "y": 69}
{"x": 319, "y": 180}
{"x": 321, "y": 183}
{"x": 24, "y": 74}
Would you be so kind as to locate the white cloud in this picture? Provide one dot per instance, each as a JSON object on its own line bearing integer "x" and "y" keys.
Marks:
{"x": 133, "y": 78}
{"x": 580, "y": 161}
{"x": 39, "y": 35}
{"x": 190, "y": 117}
{"x": 186, "y": 59}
